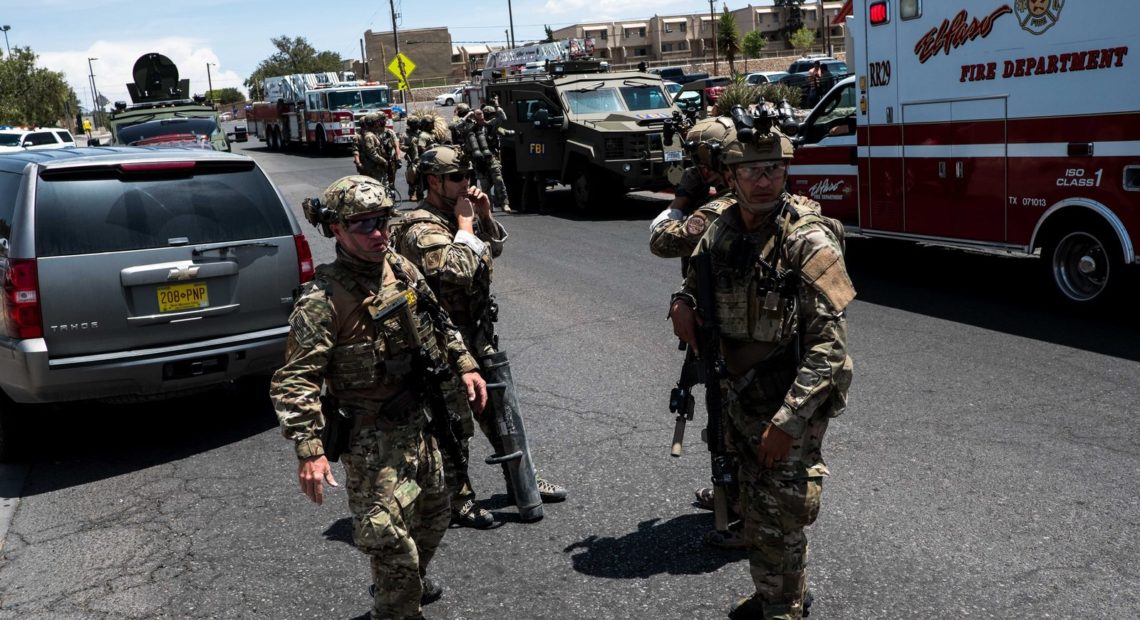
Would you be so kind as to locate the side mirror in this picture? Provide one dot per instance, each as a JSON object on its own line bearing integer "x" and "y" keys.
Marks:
{"x": 27, "y": 143}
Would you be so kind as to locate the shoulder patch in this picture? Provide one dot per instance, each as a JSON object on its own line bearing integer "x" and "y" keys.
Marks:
{"x": 695, "y": 224}
{"x": 826, "y": 272}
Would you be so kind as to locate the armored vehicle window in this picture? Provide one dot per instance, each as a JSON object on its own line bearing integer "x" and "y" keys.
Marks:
{"x": 526, "y": 108}
{"x": 594, "y": 101}
{"x": 86, "y": 211}
{"x": 135, "y": 134}
{"x": 644, "y": 97}
{"x": 9, "y": 186}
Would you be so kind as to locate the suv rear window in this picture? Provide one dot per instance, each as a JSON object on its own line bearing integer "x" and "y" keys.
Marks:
{"x": 85, "y": 211}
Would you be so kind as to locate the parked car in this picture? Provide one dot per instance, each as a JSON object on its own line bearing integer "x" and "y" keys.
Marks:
{"x": 765, "y": 77}
{"x": 450, "y": 97}
{"x": 133, "y": 273}
{"x": 804, "y": 63}
{"x": 678, "y": 75}
{"x": 672, "y": 88}
{"x": 14, "y": 140}
{"x": 700, "y": 94}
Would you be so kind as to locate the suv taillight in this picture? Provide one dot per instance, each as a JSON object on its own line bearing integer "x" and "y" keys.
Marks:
{"x": 304, "y": 259}
{"x": 22, "y": 299}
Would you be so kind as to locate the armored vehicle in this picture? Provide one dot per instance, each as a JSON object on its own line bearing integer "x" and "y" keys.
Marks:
{"x": 162, "y": 113}
{"x": 576, "y": 123}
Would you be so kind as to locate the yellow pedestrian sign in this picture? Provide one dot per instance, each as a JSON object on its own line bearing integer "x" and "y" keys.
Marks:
{"x": 401, "y": 67}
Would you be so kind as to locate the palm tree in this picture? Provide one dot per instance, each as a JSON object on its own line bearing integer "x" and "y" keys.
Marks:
{"x": 727, "y": 38}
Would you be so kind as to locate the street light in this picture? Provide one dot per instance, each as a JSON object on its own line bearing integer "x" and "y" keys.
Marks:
{"x": 94, "y": 94}
{"x": 511, "y": 17}
{"x": 210, "y": 83}
{"x": 6, "y": 28}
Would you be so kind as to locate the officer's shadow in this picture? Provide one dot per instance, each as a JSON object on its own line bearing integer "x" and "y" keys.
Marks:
{"x": 656, "y": 547}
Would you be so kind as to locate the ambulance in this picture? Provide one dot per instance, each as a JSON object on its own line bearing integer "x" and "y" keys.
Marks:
{"x": 1003, "y": 125}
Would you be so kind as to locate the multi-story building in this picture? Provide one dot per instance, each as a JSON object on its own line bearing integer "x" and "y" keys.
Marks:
{"x": 674, "y": 38}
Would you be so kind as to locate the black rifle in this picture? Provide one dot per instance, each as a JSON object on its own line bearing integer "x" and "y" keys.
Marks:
{"x": 427, "y": 376}
{"x": 681, "y": 398}
{"x": 338, "y": 428}
{"x": 711, "y": 371}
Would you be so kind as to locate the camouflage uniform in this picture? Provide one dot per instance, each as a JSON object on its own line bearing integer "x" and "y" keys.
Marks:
{"x": 786, "y": 355}
{"x": 492, "y": 130}
{"x": 674, "y": 233}
{"x": 459, "y": 269}
{"x": 395, "y": 483}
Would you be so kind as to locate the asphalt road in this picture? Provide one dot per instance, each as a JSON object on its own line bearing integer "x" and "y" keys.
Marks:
{"x": 987, "y": 466}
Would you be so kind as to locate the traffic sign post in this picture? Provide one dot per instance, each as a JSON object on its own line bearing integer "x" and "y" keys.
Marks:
{"x": 401, "y": 67}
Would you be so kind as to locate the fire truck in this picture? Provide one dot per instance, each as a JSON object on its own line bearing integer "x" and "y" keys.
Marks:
{"x": 1003, "y": 125}
{"x": 320, "y": 110}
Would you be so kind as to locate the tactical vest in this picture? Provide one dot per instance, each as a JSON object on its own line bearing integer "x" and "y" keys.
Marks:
{"x": 384, "y": 357}
{"x": 756, "y": 290}
{"x": 467, "y": 309}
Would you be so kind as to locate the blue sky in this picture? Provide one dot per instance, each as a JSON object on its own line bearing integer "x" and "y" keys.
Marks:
{"x": 234, "y": 35}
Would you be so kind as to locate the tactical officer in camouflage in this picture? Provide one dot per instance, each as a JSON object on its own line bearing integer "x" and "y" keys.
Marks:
{"x": 458, "y": 123}
{"x": 452, "y": 237}
{"x": 781, "y": 289}
{"x": 675, "y": 232}
{"x": 351, "y": 334}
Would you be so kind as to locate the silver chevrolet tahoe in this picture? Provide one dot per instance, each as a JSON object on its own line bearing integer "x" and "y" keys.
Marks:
{"x": 140, "y": 272}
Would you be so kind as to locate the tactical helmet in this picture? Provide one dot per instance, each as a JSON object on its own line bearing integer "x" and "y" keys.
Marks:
{"x": 707, "y": 138}
{"x": 373, "y": 118}
{"x": 490, "y": 110}
{"x": 442, "y": 160}
{"x": 461, "y": 109}
{"x": 771, "y": 146}
{"x": 347, "y": 198}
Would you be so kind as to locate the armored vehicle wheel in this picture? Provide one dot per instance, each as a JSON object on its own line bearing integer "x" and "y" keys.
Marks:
{"x": 1085, "y": 264}
{"x": 591, "y": 187}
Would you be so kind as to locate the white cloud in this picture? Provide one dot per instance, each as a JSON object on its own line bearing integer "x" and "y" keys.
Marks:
{"x": 116, "y": 61}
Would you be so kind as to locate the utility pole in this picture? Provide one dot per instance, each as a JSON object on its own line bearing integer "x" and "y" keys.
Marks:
{"x": 209, "y": 83}
{"x": 363, "y": 59}
{"x": 399, "y": 61}
{"x": 712, "y": 18}
{"x": 511, "y": 18}
{"x": 94, "y": 94}
{"x": 6, "y": 28}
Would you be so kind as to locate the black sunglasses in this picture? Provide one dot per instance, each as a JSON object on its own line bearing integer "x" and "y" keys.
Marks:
{"x": 368, "y": 224}
{"x": 455, "y": 177}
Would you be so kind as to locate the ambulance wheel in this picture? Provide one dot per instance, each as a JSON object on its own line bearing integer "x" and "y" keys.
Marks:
{"x": 1085, "y": 263}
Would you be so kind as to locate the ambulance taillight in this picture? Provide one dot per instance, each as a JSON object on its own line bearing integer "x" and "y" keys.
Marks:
{"x": 879, "y": 13}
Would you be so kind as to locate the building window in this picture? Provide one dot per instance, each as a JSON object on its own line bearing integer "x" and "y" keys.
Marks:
{"x": 668, "y": 28}
{"x": 605, "y": 34}
{"x": 666, "y": 47}
{"x": 683, "y": 45}
{"x": 641, "y": 51}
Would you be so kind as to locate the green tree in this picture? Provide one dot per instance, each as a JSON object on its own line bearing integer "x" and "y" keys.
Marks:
{"x": 31, "y": 95}
{"x": 802, "y": 38}
{"x": 293, "y": 55}
{"x": 793, "y": 15}
{"x": 728, "y": 38}
{"x": 752, "y": 45}
{"x": 226, "y": 95}
{"x": 549, "y": 35}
